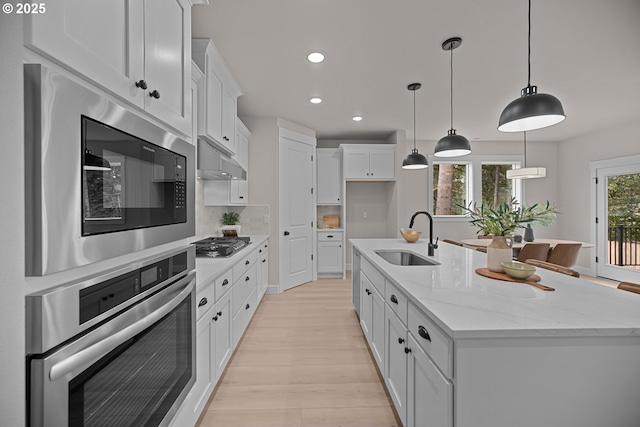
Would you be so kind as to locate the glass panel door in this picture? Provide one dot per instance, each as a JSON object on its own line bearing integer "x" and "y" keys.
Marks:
{"x": 618, "y": 222}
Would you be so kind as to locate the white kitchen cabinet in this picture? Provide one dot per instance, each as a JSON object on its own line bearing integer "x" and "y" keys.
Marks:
{"x": 263, "y": 269}
{"x": 329, "y": 176}
{"x": 373, "y": 162}
{"x": 330, "y": 253}
{"x": 196, "y": 76}
{"x": 222, "y": 339}
{"x": 429, "y": 393}
{"x": 217, "y": 104}
{"x": 366, "y": 305}
{"x": 137, "y": 50}
{"x": 395, "y": 372}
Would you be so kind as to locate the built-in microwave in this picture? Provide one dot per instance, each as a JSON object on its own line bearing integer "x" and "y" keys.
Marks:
{"x": 102, "y": 181}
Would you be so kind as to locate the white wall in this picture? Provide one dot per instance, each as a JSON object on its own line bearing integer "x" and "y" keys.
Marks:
{"x": 574, "y": 179}
{"x": 12, "y": 312}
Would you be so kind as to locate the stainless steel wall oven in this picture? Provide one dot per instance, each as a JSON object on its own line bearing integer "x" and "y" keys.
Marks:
{"x": 101, "y": 180}
{"x": 116, "y": 349}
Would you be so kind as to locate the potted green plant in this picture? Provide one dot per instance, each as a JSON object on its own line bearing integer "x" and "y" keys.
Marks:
{"x": 230, "y": 226}
{"x": 502, "y": 220}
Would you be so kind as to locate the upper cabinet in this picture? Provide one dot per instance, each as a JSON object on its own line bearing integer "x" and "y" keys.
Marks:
{"x": 329, "y": 176}
{"x": 217, "y": 100}
{"x": 139, "y": 50}
{"x": 239, "y": 188}
{"x": 374, "y": 162}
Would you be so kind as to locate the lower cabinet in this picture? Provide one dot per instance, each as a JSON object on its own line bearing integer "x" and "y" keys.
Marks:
{"x": 395, "y": 373}
{"x": 222, "y": 330}
{"x": 429, "y": 393}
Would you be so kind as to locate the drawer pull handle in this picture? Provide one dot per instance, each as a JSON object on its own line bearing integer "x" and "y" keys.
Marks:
{"x": 247, "y": 307}
{"x": 264, "y": 260}
{"x": 225, "y": 282}
{"x": 407, "y": 350}
{"x": 394, "y": 299}
{"x": 400, "y": 340}
{"x": 330, "y": 236}
{"x": 202, "y": 302}
{"x": 423, "y": 333}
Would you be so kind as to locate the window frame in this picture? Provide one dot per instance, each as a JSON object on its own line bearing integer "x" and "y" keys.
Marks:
{"x": 474, "y": 164}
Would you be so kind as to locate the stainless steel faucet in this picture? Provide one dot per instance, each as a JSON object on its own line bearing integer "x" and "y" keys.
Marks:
{"x": 432, "y": 246}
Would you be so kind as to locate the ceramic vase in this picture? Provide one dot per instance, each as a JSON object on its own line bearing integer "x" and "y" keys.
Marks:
{"x": 528, "y": 234}
{"x": 499, "y": 250}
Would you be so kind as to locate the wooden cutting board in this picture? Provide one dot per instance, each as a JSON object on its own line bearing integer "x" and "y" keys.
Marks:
{"x": 331, "y": 221}
{"x": 504, "y": 276}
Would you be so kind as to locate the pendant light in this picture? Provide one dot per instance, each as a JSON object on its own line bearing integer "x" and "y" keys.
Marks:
{"x": 452, "y": 145}
{"x": 532, "y": 110}
{"x": 414, "y": 160}
{"x": 525, "y": 172}
{"x": 95, "y": 163}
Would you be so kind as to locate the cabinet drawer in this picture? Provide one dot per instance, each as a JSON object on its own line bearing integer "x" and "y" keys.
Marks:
{"x": 376, "y": 278}
{"x": 204, "y": 299}
{"x": 329, "y": 236}
{"x": 433, "y": 341}
{"x": 242, "y": 318}
{"x": 223, "y": 284}
{"x": 243, "y": 264}
{"x": 396, "y": 301}
{"x": 243, "y": 287}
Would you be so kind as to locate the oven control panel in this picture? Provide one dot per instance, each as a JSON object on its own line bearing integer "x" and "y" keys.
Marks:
{"x": 103, "y": 296}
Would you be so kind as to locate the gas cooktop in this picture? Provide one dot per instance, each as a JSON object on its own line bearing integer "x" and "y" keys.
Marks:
{"x": 220, "y": 246}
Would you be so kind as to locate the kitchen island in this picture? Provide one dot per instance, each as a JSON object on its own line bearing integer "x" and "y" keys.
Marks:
{"x": 459, "y": 349}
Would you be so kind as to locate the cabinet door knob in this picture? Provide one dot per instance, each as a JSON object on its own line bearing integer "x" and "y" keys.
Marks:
{"x": 219, "y": 313}
{"x": 422, "y": 331}
{"x": 155, "y": 94}
{"x": 215, "y": 318}
{"x": 368, "y": 291}
{"x": 247, "y": 262}
{"x": 246, "y": 279}
{"x": 141, "y": 84}
{"x": 247, "y": 307}
{"x": 225, "y": 282}
{"x": 286, "y": 233}
{"x": 202, "y": 302}
{"x": 394, "y": 299}
{"x": 407, "y": 350}
{"x": 400, "y": 340}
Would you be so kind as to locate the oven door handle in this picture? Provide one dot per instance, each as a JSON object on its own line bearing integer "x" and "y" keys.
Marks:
{"x": 94, "y": 352}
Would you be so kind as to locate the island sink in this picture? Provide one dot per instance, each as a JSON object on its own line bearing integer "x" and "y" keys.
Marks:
{"x": 404, "y": 258}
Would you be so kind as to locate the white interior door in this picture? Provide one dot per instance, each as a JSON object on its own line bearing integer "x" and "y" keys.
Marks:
{"x": 296, "y": 211}
{"x": 618, "y": 221}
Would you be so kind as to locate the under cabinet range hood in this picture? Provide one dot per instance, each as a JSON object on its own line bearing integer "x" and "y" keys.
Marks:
{"x": 213, "y": 165}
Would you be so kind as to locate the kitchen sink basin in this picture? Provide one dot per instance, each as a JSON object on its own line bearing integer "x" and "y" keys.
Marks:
{"x": 405, "y": 258}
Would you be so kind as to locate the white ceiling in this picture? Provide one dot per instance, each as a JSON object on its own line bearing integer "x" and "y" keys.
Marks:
{"x": 585, "y": 52}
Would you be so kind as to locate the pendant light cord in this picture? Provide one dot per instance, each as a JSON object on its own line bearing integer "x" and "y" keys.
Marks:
{"x": 525, "y": 148}
{"x": 529, "y": 48}
{"x": 451, "y": 92}
{"x": 414, "y": 119}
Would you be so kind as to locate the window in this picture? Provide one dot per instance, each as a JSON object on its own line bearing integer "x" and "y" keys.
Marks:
{"x": 479, "y": 179}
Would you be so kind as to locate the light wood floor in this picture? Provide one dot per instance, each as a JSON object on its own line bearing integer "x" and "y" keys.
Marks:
{"x": 303, "y": 361}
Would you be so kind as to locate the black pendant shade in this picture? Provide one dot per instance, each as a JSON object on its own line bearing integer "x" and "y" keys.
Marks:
{"x": 532, "y": 110}
{"x": 414, "y": 160}
{"x": 452, "y": 145}
{"x": 95, "y": 163}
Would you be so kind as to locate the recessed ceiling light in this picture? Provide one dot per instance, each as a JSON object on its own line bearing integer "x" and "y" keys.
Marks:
{"x": 315, "y": 57}
{"x": 356, "y": 118}
{"x": 315, "y": 100}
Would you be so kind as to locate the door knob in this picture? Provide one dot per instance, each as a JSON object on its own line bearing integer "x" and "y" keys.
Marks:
{"x": 286, "y": 233}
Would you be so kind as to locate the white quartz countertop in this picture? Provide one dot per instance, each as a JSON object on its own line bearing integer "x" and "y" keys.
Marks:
{"x": 207, "y": 269}
{"x": 467, "y": 305}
